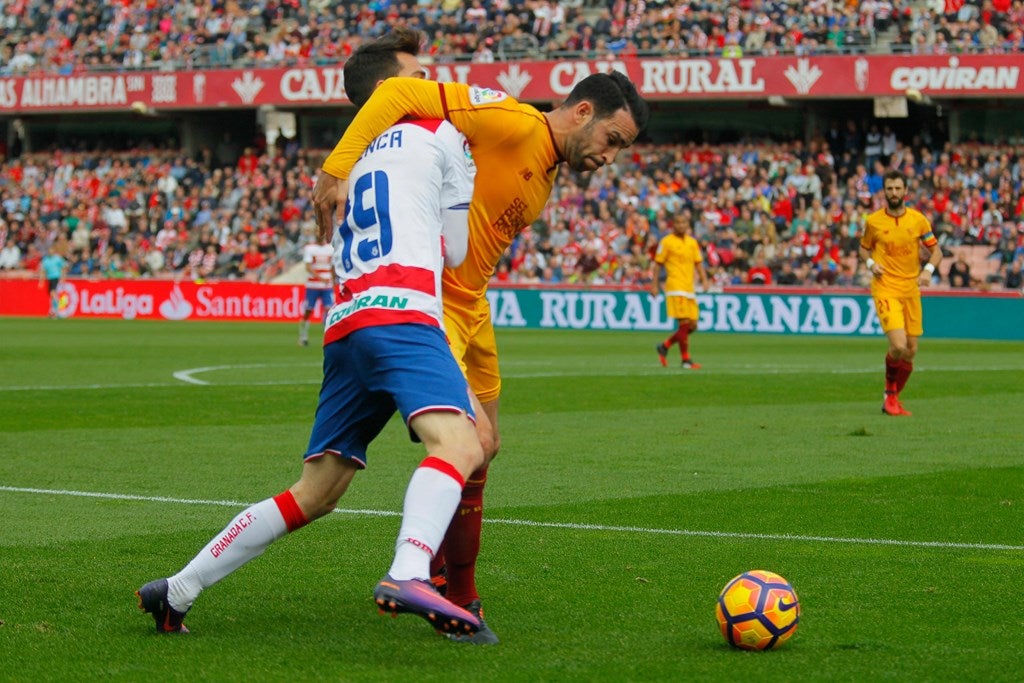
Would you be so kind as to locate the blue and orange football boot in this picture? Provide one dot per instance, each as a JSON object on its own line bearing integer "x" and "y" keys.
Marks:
{"x": 418, "y": 596}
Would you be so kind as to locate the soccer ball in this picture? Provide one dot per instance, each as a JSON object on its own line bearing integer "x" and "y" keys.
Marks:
{"x": 757, "y": 610}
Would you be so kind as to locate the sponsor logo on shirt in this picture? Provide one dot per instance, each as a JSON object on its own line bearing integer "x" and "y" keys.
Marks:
{"x": 343, "y": 310}
{"x": 512, "y": 219}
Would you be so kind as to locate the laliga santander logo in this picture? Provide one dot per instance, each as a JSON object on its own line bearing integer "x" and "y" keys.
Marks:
{"x": 67, "y": 300}
{"x": 114, "y": 301}
{"x": 177, "y": 306}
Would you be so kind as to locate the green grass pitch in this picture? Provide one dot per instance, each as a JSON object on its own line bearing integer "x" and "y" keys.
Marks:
{"x": 625, "y": 496}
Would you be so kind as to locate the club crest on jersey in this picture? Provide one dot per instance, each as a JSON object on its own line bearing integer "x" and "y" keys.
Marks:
{"x": 479, "y": 96}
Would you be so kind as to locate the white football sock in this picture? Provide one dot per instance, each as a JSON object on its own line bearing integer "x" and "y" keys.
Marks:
{"x": 430, "y": 501}
{"x": 246, "y": 537}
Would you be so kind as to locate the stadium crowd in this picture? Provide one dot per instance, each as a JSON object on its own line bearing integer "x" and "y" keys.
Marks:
{"x": 156, "y": 213}
{"x": 765, "y": 212}
{"x": 70, "y": 36}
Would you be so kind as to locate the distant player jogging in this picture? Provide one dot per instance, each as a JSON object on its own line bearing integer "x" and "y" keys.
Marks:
{"x": 384, "y": 349}
{"x": 679, "y": 256}
{"x": 890, "y": 249}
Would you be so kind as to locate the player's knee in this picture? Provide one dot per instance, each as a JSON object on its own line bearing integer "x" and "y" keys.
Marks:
{"x": 466, "y": 456}
{"x": 487, "y": 438}
{"x": 898, "y": 351}
{"x": 313, "y": 506}
{"x": 316, "y": 500}
{"x": 477, "y": 456}
{"x": 488, "y": 444}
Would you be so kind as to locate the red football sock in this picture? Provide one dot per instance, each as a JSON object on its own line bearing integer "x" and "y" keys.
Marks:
{"x": 436, "y": 565}
{"x": 462, "y": 542}
{"x": 904, "y": 368}
{"x": 892, "y": 371}
{"x": 683, "y": 334}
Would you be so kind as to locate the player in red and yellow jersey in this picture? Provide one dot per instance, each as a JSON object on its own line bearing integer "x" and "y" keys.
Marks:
{"x": 517, "y": 150}
{"x": 679, "y": 254}
{"x": 890, "y": 249}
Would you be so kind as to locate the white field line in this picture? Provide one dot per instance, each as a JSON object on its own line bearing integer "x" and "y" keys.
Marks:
{"x": 188, "y": 376}
{"x": 555, "y": 525}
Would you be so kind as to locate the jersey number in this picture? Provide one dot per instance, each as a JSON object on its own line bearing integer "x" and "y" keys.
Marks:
{"x": 368, "y": 216}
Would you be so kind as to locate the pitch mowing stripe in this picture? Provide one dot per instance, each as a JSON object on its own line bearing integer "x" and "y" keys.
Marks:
{"x": 553, "y": 525}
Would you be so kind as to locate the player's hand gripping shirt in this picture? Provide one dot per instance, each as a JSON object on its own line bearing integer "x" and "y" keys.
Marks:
{"x": 894, "y": 243}
{"x": 679, "y": 255}
{"x": 514, "y": 152}
{"x": 319, "y": 260}
{"x": 388, "y": 249}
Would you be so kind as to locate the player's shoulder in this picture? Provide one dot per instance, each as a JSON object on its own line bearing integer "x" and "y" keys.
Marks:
{"x": 496, "y": 102}
{"x": 877, "y": 215}
{"x": 477, "y": 96}
{"x": 916, "y": 214}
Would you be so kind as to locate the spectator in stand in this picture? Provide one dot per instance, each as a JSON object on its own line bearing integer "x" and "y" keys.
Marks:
{"x": 959, "y": 274}
{"x": 251, "y": 261}
{"x": 1014, "y": 276}
{"x": 245, "y": 33}
{"x": 10, "y": 255}
{"x": 759, "y": 273}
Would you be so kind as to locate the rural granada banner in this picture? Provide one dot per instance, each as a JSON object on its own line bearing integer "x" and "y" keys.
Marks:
{"x": 663, "y": 78}
{"x": 757, "y": 310}
{"x": 156, "y": 300}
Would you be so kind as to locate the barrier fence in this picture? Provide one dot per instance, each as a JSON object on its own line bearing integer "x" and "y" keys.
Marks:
{"x": 956, "y": 315}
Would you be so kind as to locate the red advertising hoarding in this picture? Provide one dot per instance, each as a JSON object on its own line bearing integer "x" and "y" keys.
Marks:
{"x": 662, "y": 78}
{"x": 156, "y": 300}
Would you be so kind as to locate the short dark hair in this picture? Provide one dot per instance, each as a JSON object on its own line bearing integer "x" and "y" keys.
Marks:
{"x": 376, "y": 60}
{"x": 895, "y": 174}
{"x": 610, "y": 92}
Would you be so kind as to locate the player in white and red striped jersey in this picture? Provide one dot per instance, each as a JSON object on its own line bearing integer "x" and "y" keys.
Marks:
{"x": 391, "y": 274}
{"x": 318, "y": 257}
{"x": 407, "y": 216}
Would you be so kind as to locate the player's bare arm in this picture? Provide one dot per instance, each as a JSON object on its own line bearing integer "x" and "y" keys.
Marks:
{"x": 655, "y": 280}
{"x": 702, "y": 272}
{"x": 869, "y": 263}
{"x": 934, "y": 259}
